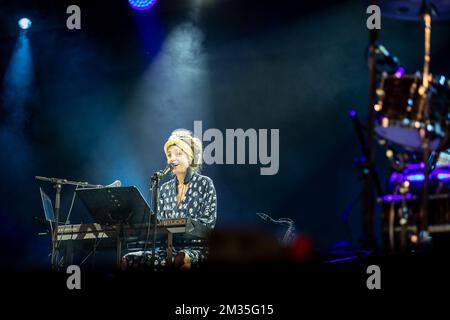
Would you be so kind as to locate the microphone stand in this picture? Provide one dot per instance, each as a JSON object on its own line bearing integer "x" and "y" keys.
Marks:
{"x": 58, "y": 184}
{"x": 153, "y": 219}
{"x": 364, "y": 146}
{"x": 369, "y": 175}
{"x": 155, "y": 179}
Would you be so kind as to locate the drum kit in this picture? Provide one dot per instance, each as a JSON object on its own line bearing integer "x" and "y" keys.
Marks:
{"x": 412, "y": 122}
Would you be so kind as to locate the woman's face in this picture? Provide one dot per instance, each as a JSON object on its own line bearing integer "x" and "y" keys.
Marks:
{"x": 177, "y": 157}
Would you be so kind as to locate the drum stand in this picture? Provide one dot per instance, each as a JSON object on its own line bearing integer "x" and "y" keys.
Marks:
{"x": 402, "y": 187}
{"x": 404, "y": 235}
{"x": 423, "y": 132}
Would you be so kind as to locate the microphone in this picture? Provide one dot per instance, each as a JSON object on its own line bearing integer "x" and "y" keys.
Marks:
{"x": 116, "y": 183}
{"x": 169, "y": 167}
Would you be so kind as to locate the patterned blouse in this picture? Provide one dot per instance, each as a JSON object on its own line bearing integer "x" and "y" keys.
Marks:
{"x": 199, "y": 202}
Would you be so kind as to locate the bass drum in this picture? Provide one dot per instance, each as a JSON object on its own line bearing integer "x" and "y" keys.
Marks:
{"x": 399, "y": 230}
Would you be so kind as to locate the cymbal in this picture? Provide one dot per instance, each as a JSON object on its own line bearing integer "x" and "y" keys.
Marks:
{"x": 411, "y": 9}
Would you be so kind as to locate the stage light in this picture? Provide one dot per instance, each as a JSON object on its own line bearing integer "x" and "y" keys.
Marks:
{"x": 416, "y": 177}
{"x": 24, "y": 23}
{"x": 141, "y": 4}
{"x": 389, "y": 154}
{"x": 400, "y": 72}
{"x": 443, "y": 176}
{"x": 396, "y": 197}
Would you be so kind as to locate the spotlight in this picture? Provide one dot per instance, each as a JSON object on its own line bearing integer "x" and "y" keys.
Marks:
{"x": 24, "y": 23}
{"x": 141, "y": 4}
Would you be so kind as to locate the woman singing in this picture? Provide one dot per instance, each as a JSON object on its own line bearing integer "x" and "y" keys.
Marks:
{"x": 187, "y": 194}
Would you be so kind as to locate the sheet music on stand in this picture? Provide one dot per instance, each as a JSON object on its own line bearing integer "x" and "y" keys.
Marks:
{"x": 116, "y": 206}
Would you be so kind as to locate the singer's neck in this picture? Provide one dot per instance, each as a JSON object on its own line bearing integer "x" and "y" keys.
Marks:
{"x": 181, "y": 177}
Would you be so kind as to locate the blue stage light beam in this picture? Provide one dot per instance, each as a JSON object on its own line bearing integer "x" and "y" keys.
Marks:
{"x": 17, "y": 82}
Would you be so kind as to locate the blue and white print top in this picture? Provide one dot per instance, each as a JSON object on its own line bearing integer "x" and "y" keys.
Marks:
{"x": 199, "y": 202}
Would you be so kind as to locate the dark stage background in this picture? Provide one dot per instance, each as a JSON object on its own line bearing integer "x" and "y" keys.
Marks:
{"x": 97, "y": 104}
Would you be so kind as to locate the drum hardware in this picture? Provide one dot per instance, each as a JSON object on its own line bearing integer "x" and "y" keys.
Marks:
{"x": 405, "y": 215}
{"x": 424, "y": 108}
{"x": 409, "y": 10}
{"x": 411, "y": 117}
{"x": 402, "y": 204}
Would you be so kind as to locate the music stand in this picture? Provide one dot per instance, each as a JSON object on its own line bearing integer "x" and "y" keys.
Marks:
{"x": 115, "y": 206}
{"x": 48, "y": 208}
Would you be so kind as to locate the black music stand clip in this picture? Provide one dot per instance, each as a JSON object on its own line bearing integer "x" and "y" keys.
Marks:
{"x": 117, "y": 207}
